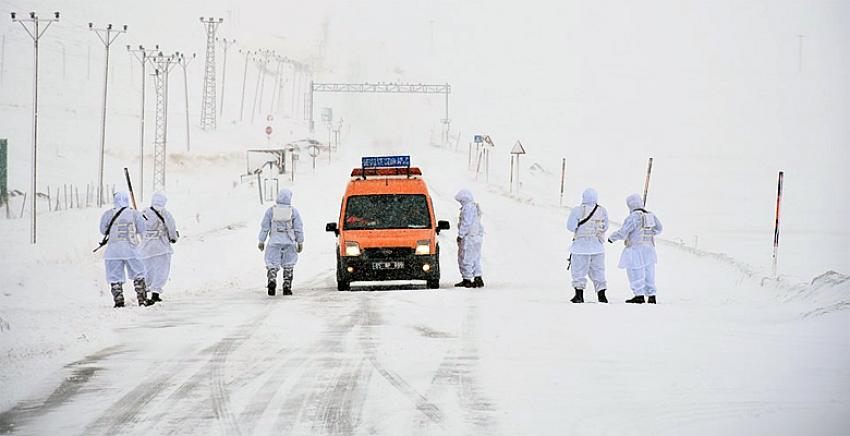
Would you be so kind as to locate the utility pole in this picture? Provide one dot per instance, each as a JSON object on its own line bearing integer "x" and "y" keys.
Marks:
{"x": 107, "y": 36}
{"x": 141, "y": 55}
{"x": 184, "y": 62}
{"x": 247, "y": 54}
{"x": 225, "y": 43}
{"x": 262, "y": 60}
{"x": 3, "y": 60}
{"x": 282, "y": 82}
{"x": 162, "y": 65}
{"x": 35, "y": 34}
{"x": 266, "y": 55}
{"x": 208, "y": 102}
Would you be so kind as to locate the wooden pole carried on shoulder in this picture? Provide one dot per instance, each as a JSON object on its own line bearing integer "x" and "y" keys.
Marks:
{"x": 130, "y": 188}
{"x": 646, "y": 183}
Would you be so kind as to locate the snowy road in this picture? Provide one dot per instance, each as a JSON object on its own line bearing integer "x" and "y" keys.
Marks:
{"x": 442, "y": 362}
{"x": 719, "y": 355}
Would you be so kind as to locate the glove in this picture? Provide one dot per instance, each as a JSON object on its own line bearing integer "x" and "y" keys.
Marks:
{"x": 299, "y": 247}
{"x": 459, "y": 240}
{"x": 610, "y": 241}
{"x": 261, "y": 246}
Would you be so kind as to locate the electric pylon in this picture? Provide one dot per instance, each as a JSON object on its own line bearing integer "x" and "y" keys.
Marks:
{"x": 162, "y": 65}
{"x": 208, "y": 112}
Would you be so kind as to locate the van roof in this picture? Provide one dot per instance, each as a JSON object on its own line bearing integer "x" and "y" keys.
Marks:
{"x": 386, "y": 185}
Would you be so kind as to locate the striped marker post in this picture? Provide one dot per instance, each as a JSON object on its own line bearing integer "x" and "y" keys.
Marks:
{"x": 776, "y": 226}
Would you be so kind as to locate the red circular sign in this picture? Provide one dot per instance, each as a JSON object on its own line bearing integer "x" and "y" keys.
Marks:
{"x": 268, "y": 130}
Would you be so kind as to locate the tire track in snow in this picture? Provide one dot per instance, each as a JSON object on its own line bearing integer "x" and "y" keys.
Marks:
{"x": 369, "y": 344}
{"x": 128, "y": 408}
{"x": 456, "y": 373}
{"x": 302, "y": 412}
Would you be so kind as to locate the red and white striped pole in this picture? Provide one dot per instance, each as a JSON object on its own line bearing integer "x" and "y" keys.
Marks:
{"x": 776, "y": 227}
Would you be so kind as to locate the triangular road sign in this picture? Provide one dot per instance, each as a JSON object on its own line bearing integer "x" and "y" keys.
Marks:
{"x": 518, "y": 148}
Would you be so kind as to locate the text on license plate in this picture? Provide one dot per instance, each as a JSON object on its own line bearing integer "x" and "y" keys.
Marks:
{"x": 387, "y": 265}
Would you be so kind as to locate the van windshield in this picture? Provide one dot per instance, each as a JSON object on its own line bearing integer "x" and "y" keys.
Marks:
{"x": 387, "y": 211}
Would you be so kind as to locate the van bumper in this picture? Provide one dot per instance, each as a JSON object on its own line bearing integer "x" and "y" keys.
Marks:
{"x": 354, "y": 269}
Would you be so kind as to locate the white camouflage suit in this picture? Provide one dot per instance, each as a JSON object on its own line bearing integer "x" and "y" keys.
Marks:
{"x": 122, "y": 249}
{"x": 588, "y": 246}
{"x": 284, "y": 229}
{"x": 470, "y": 235}
{"x": 639, "y": 258}
{"x": 156, "y": 251}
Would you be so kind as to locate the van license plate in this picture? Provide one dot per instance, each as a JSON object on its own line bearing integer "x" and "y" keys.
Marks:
{"x": 387, "y": 265}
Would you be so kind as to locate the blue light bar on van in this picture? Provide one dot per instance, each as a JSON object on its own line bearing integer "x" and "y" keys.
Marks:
{"x": 384, "y": 161}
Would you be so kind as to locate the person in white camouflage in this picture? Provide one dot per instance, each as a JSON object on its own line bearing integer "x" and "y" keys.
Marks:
{"x": 283, "y": 228}
{"x": 123, "y": 227}
{"x": 589, "y": 222}
{"x": 156, "y": 251}
{"x": 639, "y": 258}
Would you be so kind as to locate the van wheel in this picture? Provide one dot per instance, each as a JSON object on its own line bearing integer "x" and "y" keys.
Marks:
{"x": 434, "y": 284}
{"x": 342, "y": 285}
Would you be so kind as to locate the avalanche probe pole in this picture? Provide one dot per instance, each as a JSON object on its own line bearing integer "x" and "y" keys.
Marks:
{"x": 776, "y": 228}
{"x": 646, "y": 184}
{"x": 130, "y": 187}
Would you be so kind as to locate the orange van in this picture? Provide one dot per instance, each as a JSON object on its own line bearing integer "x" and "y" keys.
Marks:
{"x": 387, "y": 229}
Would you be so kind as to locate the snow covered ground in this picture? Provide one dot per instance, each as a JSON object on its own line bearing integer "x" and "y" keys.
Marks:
{"x": 729, "y": 349}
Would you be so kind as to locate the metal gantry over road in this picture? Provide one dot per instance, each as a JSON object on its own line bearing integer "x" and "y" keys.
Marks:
{"x": 379, "y": 88}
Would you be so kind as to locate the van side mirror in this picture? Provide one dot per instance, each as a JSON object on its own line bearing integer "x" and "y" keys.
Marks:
{"x": 442, "y": 225}
{"x": 331, "y": 227}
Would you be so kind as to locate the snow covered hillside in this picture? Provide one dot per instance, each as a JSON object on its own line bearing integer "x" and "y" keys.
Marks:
{"x": 716, "y": 93}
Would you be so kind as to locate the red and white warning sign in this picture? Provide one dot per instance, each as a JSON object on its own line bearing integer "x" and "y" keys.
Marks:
{"x": 269, "y": 130}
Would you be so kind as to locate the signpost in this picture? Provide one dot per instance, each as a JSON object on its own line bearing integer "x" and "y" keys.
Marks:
{"x": 516, "y": 151}
{"x": 313, "y": 151}
{"x": 269, "y": 131}
{"x": 776, "y": 228}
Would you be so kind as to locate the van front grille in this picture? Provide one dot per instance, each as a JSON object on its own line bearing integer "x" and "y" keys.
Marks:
{"x": 387, "y": 253}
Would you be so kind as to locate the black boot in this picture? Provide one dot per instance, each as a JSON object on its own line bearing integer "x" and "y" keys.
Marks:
{"x": 465, "y": 283}
{"x": 117, "y": 294}
{"x": 638, "y": 299}
{"x": 141, "y": 292}
{"x": 287, "y": 280}
{"x": 600, "y": 296}
{"x": 579, "y": 297}
{"x": 155, "y": 297}
{"x": 271, "y": 274}
{"x": 478, "y": 282}
{"x": 651, "y": 299}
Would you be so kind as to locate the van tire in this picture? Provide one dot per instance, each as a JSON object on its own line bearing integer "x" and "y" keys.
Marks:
{"x": 434, "y": 284}
{"x": 341, "y": 283}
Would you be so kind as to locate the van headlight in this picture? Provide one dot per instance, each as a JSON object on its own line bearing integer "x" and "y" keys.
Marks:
{"x": 423, "y": 247}
{"x": 352, "y": 248}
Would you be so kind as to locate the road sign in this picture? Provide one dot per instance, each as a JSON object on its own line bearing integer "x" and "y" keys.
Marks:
{"x": 270, "y": 118}
{"x": 518, "y": 148}
{"x": 269, "y": 130}
{"x": 478, "y": 139}
{"x": 384, "y": 161}
{"x": 327, "y": 114}
{"x": 489, "y": 141}
{"x": 313, "y": 150}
